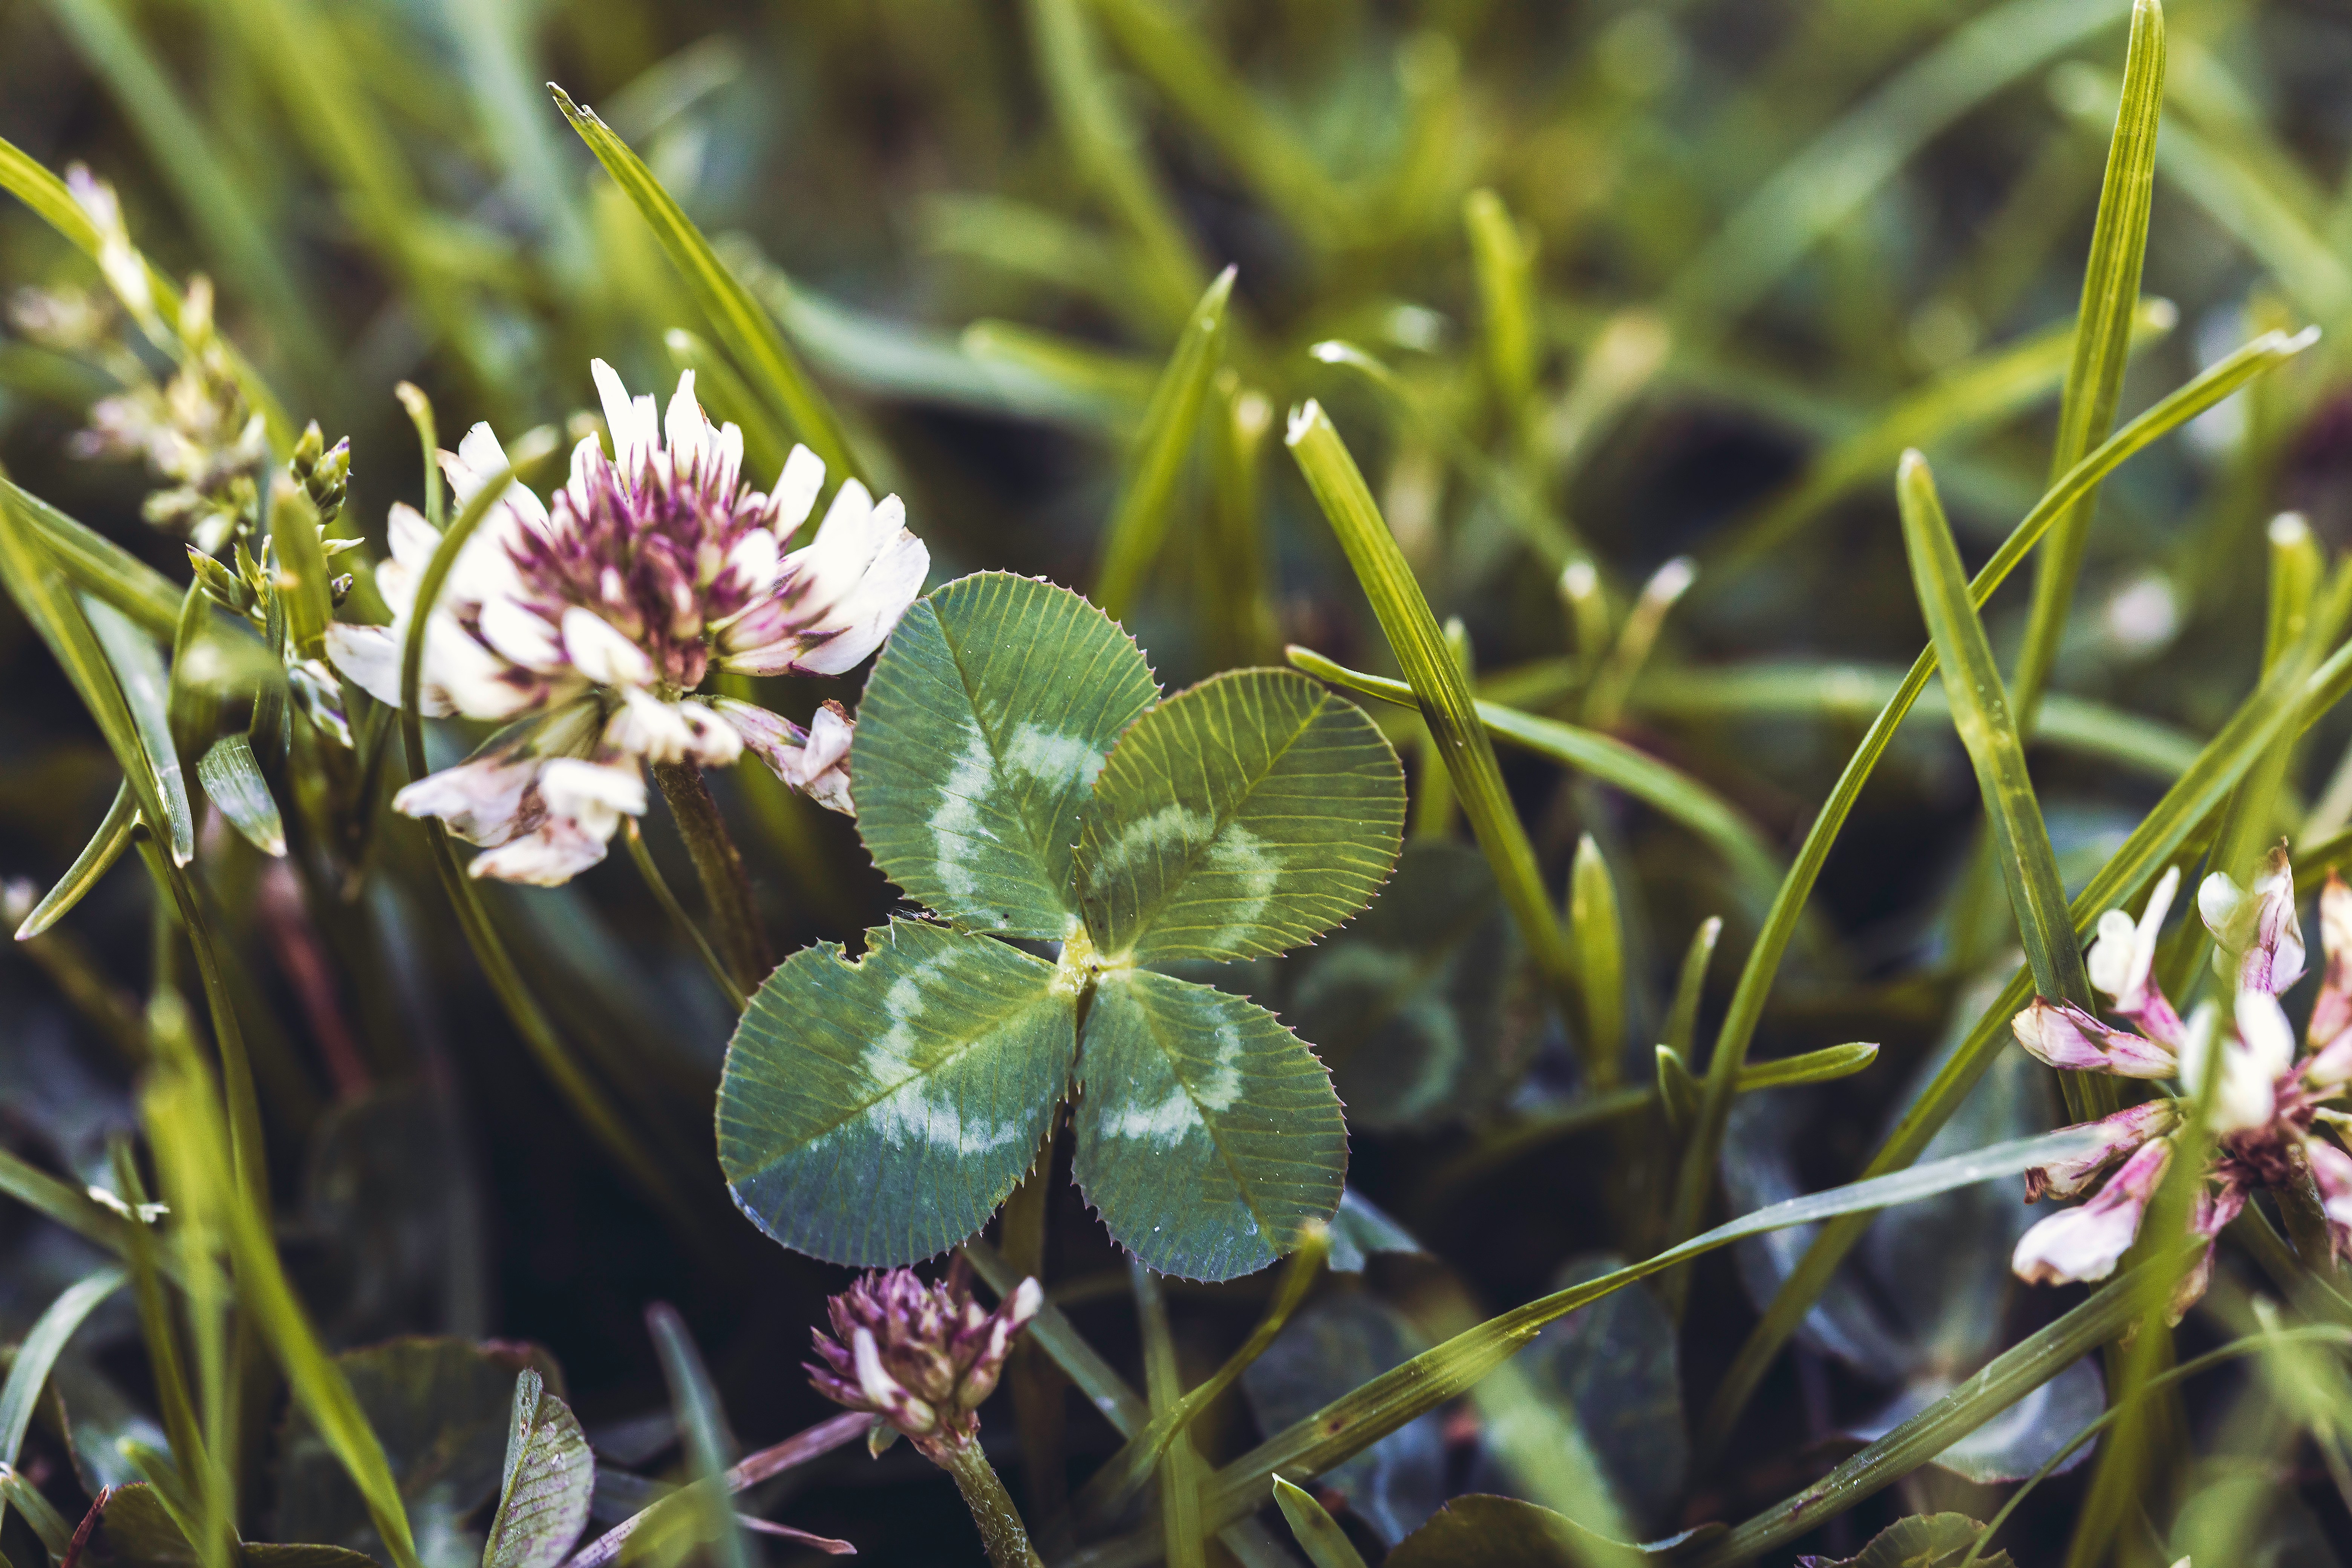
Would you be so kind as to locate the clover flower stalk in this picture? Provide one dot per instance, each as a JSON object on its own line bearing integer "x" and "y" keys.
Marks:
{"x": 2266, "y": 1102}
{"x": 589, "y": 625}
{"x": 922, "y": 1358}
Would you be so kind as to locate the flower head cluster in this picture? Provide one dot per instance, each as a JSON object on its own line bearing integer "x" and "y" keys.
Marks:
{"x": 593, "y": 621}
{"x": 922, "y": 1357}
{"x": 2265, "y": 1102}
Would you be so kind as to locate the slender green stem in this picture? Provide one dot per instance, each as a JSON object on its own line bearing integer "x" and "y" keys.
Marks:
{"x": 1000, "y": 1530}
{"x": 1035, "y": 1383}
{"x": 726, "y": 884}
{"x": 659, "y": 885}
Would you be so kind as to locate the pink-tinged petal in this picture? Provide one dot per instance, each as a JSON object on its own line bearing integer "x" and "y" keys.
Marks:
{"x": 481, "y": 800}
{"x": 795, "y": 494}
{"x": 2330, "y": 1066}
{"x": 815, "y": 761}
{"x": 369, "y": 658}
{"x": 2085, "y": 1241}
{"x": 2257, "y": 927}
{"x": 556, "y": 852}
{"x": 2331, "y": 1015}
{"x": 519, "y": 635}
{"x": 2191, "y": 1288}
{"x": 2331, "y": 1172}
{"x": 2123, "y": 957}
{"x": 2212, "y": 1211}
{"x": 601, "y": 653}
{"x": 2065, "y": 1037}
{"x": 2120, "y": 1134}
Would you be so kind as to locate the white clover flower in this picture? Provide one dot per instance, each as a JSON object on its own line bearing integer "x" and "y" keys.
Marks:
{"x": 593, "y": 623}
{"x": 2264, "y": 1103}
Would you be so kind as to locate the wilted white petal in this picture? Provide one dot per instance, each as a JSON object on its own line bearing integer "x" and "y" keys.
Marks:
{"x": 552, "y": 855}
{"x": 481, "y": 800}
{"x": 2085, "y": 1241}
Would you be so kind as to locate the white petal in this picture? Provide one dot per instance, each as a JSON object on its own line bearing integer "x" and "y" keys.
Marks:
{"x": 620, "y": 417}
{"x": 644, "y": 726}
{"x": 796, "y": 489}
{"x": 413, "y": 540}
{"x": 844, "y": 544}
{"x": 686, "y": 426}
{"x": 478, "y": 681}
{"x": 755, "y": 561}
{"x": 602, "y": 653}
{"x": 484, "y": 460}
{"x": 2110, "y": 960}
{"x": 867, "y": 615}
{"x": 558, "y": 851}
{"x": 479, "y": 800}
{"x": 592, "y": 792}
{"x": 369, "y": 657}
{"x": 716, "y": 743}
{"x": 521, "y": 634}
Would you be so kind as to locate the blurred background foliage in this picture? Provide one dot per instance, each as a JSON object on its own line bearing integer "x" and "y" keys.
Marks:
{"x": 1591, "y": 288}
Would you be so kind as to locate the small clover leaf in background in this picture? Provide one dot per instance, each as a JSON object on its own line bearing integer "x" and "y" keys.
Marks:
{"x": 1016, "y": 772}
{"x": 1922, "y": 1541}
{"x": 545, "y": 1486}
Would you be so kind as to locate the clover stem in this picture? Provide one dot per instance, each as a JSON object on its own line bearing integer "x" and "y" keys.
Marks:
{"x": 1000, "y": 1530}
{"x": 726, "y": 886}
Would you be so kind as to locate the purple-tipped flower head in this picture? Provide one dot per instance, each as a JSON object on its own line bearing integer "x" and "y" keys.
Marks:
{"x": 922, "y": 1357}
{"x": 595, "y": 620}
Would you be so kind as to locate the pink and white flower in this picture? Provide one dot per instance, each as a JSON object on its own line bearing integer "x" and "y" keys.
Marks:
{"x": 921, "y": 1357}
{"x": 2263, "y": 1102}
{"x": 592, "y": 623}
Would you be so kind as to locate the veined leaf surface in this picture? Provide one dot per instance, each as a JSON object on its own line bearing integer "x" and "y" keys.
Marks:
{"x": 1243, "y": 817}
{"x": 983, "y": 726}
{"x": 876, "y": 1112}
{"x": 544, "y": 1489}
{"x": 1207, "y": 1133}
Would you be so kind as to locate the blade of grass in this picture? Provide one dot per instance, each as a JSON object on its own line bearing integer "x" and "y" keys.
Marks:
{"x": 2102, "y": 342}
{"x": 233, "y": 782}
{"x": 701, "y": 1421}
{"x": 588, "y": 1101}
{"x": 741, "y": 326}
{"x": 1439, "y": 689}
{"x": 1980, "y": 712}
{"x": 139, "y": 675}
{"x": 1746, "y": 1007}
{"x": 1594, "y": 926}
{"x": 96, "y": 857}
{"x": 1185, "y": 1542}
{"x": 1139, "y": 524}
{"x": 68, "y": 1205}
{"x": 1358, "y": 1419}
{"x": 1656, "y": 784}
{"x": 155, "y": 1324}
{"x": 38, "y": 1353}
{"x": 1320, "y": 1535}
{"x": 1502, "y": 259}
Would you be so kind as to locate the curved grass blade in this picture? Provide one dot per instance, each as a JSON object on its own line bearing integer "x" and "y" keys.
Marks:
{"x": 96, "y": 857}
{"x": 1351, "y": 1423}
{"x": 1501, "y": 257}
{"x": 588, "y": 1101}
{"x": 746, "y": 330}
{"x": 1657, "y": 784}
{"x": 1594, "y": 924}
{"x": 1139, "y": 524}
{"x": 70, "y": 1206}
{"x": 145, "y": 686}
{"x": 659, "y": 885}
{"x": 1320, "y": 1535}
{"x": 2102, "y": 341}
{"x": 1241, "y": 818}
{"x": 1980, "y": 712}
{"x": 38, "y": 1352}
{"x": 233, "y": 782}
{"x": 101, "y": 568}
{"x": 1829, "y": 1063}
{"x": 702, "y": 1422}
{"x": 1746, "y": 1007}
{"x": 156, "y": 1327}
{"x": 1180, "y": 1464}
{"x": 1439, "y": 688}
